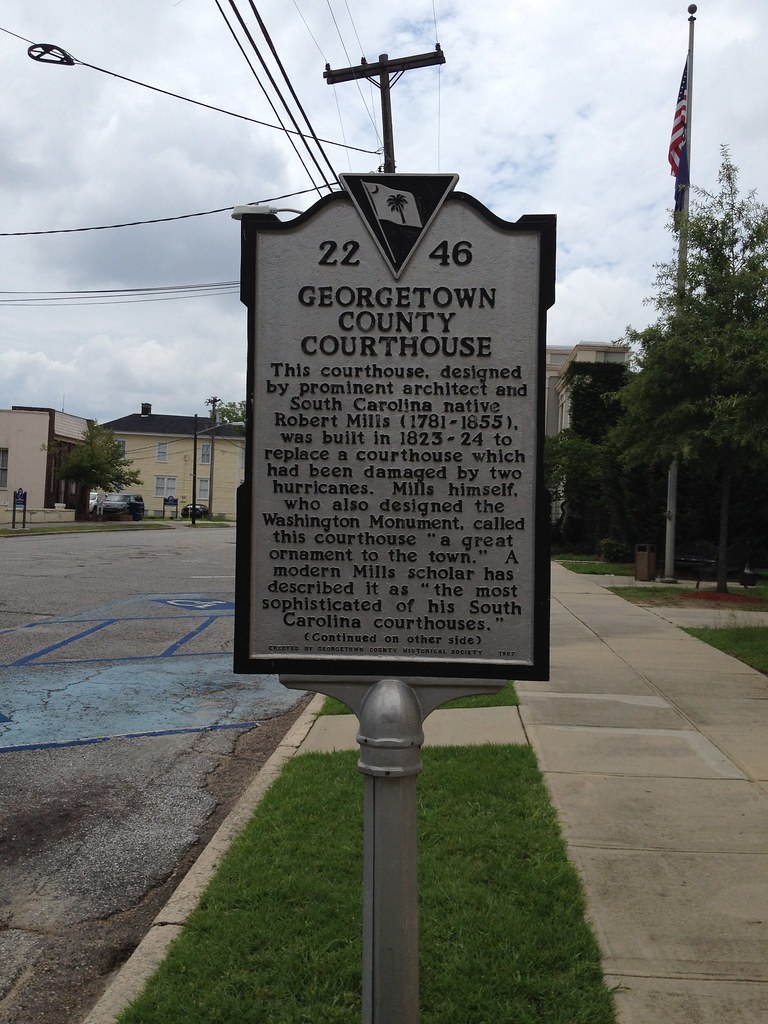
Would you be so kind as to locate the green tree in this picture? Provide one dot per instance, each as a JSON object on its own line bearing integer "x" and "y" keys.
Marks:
{"x": 98, "y": 462}
{"x": 577, "y": 461}
{"x": 232, "y": 412}
{"x": 701, "y": 391}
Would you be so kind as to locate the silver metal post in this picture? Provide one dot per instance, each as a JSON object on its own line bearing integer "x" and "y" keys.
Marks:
{"x": 669, "y": 549}
{"x": 390, "y": 738}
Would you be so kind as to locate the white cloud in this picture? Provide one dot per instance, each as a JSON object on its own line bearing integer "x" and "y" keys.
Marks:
{"x": 542, "y": 106}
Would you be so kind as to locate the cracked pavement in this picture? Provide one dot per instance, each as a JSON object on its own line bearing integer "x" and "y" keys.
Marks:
{"x": 124, "y": 739}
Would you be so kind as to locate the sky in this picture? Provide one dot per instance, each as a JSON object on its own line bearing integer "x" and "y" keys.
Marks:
{"x": 542, "y": 106}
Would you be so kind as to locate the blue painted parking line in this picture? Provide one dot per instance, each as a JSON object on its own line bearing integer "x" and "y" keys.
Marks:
{"x": 170, "y": 651}
{"x": 130, "y": 736}
{"x": 62, "y": 643}
{"x": 151, "y": 666}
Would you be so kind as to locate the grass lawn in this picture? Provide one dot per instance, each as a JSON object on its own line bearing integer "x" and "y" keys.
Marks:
{"x": 277, "y": 937}
{"x": 747, "y": 643}
{"x": 741, "y": 599}
{"x": 595, "y": 568}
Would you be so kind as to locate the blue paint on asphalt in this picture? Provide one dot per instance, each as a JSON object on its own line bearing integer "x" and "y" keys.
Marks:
{"x": 197, "y": 604}
{"x": 170, "y": 651}
{"x": 169, "y": 688}
{"x": 56, "y": 647}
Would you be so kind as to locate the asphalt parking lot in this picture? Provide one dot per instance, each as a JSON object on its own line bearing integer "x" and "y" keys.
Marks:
{"x": 124, "y": 738}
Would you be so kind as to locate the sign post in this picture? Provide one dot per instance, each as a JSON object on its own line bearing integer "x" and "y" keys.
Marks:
{"x": 393, "y": 525}
{"x": 19, "y": 505}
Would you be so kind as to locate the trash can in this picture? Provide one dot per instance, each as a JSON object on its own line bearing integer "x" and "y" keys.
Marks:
{"x": 136, "y": 510}
{"x": 645, "y": 562}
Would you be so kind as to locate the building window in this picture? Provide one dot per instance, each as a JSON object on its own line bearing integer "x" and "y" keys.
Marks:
{"x": 165, "y": 486}
{"x": 121, "y": 446}
{"x": 203, "y": 491}
{"x": 3, "y": 467}
{"x": 162, "y": 451}
{"x": 205, "y": 454}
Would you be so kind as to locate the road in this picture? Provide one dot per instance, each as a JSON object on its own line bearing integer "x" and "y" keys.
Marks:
{"x": 124, "y": 739}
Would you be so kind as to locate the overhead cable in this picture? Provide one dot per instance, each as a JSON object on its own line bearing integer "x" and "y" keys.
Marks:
{"x": 176, "y": 95}
{"x": 255, "y": 74}
{"x": 117, "y": 296}
{"x": 297, "y": 101}
{"x": 152, "y": 220}
{"x": 368, "y": 110}
{"x": 280, "y": 96}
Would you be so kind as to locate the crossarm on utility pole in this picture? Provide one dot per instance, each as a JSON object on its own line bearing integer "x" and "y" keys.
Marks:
{"x": 379, "y": 73}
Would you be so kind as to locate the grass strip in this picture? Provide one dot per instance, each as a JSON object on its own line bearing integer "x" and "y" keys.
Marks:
{"x": 277, "y": 937}
{"x": 598, "y": 568}
{"x": 505, "y": 698}
{"x": 747, "y": 643}
{"x": 55, "y": 531}
{"x": 738, "y": 599}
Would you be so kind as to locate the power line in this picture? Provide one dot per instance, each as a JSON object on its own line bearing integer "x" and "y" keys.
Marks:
{"x": 371, "y": 115}
{"x": 280, "y": 96}
{"x": 118, "y": 296}
{"x": 260, "y": 83}
{"x": 168, "y": 92}
{"x": 126, "y": 291}
{"x": 153, "y": 220}
{"x": 220, "y": 110}
{"x": 288, "y": 82}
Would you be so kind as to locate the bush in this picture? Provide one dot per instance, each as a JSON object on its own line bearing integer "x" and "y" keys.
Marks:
{"x": 612, "y": 550}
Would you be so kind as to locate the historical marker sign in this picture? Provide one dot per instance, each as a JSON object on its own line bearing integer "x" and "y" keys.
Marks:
{"x": 393, "y": 518}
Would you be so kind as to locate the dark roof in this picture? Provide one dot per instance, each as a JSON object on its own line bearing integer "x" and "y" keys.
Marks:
{"x": 178, "y": 426}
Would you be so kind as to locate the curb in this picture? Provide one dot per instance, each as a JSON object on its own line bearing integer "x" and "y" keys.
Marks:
{"x": 130, "y": 980}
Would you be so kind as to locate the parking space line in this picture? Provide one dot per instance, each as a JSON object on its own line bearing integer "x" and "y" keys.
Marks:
{"x": 170, "y": 651}
{"x": 90, "y": 741}
{"x": 27, "y": 659}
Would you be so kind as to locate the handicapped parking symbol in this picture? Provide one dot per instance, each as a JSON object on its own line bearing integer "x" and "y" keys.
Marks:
{"x": 199, "y": 604}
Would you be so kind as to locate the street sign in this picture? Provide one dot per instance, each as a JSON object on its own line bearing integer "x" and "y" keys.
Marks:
{"x": 20, "y": 498}
{"x": 393, "y": 518}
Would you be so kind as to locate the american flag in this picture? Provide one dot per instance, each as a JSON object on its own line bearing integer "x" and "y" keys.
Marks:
{"x": 678, "y": 125}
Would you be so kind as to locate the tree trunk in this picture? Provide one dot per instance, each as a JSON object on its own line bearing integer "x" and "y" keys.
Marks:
{"x": 722, "y": 555}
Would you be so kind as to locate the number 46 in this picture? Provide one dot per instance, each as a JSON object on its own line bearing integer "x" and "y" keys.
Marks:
{"x": 460, "y": 254}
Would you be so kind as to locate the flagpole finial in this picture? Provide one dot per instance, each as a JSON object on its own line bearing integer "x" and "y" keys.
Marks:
{"x": 692, "y": 8}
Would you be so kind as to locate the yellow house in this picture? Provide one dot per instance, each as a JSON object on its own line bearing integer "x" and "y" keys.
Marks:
{"x": 161, "y": 448}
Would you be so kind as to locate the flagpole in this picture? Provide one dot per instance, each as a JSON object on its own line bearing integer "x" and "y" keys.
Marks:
{"x": 682, "y": 252}
{"x": 682, "y": 272}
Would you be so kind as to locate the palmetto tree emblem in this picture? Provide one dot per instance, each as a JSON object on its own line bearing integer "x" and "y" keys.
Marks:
{"x": 397, "y": 204}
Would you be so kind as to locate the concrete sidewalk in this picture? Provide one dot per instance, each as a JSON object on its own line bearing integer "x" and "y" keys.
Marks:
{"x": 655, "y": 750}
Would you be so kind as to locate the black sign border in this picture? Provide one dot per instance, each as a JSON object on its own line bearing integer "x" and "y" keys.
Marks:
{"x": 252, "y": 224}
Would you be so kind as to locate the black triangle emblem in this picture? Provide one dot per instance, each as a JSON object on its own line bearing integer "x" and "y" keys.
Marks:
{"x": 398, "y": 208}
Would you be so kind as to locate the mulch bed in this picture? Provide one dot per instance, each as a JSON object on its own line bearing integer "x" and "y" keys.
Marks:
{"x": 714, "y": 597}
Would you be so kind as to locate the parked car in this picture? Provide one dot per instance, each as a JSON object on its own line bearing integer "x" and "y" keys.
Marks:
{"x": 201, "y": 511}
{"x": 124, "y": 503}
{"x": 92, "y": 499}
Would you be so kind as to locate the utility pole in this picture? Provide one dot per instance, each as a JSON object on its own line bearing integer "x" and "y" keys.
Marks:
{"x": 384, "y": 73}
{"x": 213, "y": 403}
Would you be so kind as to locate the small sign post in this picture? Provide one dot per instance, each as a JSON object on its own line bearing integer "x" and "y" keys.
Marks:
{"x": 19, "y": 505}
{"x": 393, "y": 525}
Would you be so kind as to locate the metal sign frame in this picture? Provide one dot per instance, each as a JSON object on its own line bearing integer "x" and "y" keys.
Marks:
{"x": 262, "y": 228}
